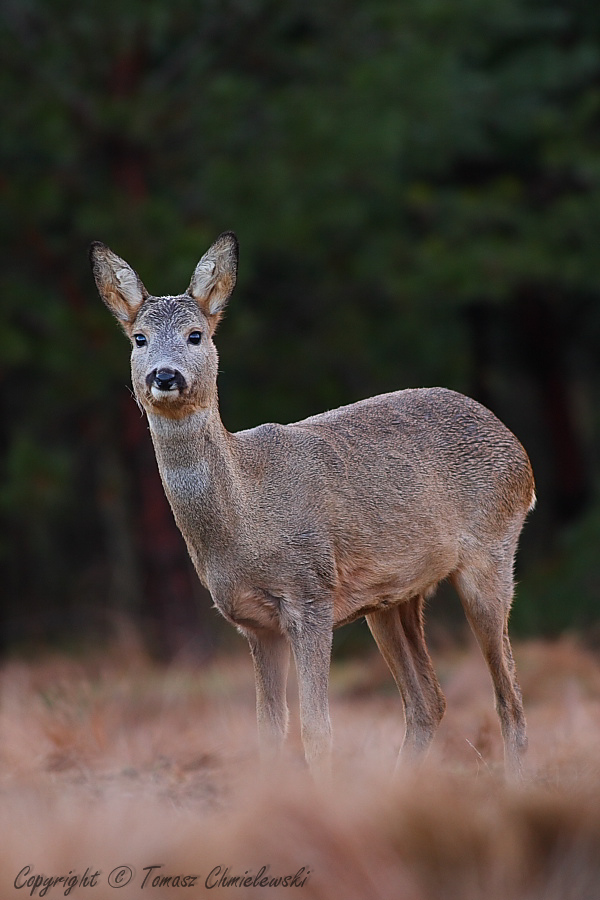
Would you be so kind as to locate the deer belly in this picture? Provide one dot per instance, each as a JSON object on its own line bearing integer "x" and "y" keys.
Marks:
{"x": 364, "y": 586}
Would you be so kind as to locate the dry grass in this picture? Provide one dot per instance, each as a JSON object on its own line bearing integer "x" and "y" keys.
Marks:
{"x": 116, "y": 762}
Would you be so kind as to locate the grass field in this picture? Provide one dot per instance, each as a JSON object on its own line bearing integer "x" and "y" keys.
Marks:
{"x": 132, "y": 780}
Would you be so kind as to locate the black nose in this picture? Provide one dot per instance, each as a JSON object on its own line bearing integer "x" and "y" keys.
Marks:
{"x": 164, "y": 379}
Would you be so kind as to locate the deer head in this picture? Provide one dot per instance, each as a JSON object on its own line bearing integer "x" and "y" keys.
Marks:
{"x": 174, "y": 361}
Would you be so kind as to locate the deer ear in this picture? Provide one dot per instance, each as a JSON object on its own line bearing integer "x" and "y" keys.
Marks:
{"x": 119, "y": 286}
{"x": 214, "y": 277}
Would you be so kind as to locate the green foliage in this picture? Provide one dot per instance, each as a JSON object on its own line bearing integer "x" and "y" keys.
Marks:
{"x": 561, "y": 591}
{"x": 386, "y": 165}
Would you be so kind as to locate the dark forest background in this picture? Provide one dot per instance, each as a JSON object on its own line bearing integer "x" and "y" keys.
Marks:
{"x": 416, "y": 190}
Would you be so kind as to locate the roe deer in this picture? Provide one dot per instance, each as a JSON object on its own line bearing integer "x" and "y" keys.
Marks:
{"x": 361, "y": 511}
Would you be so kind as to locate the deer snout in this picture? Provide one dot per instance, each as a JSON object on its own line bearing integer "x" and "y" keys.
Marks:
{"x": 165, "y": 379}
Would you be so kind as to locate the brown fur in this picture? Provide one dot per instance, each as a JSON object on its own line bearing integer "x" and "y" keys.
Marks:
{"x": 363, "y": 510}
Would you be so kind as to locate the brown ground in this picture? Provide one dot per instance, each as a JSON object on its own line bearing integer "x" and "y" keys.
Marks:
{"x": 117, "y": 762}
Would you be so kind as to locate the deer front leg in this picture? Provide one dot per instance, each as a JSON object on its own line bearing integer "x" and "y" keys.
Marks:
{"x": 311, "y": 646}
{"x": 271, "y": 655}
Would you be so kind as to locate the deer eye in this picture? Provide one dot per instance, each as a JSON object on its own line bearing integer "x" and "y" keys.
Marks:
{"x": 195, "y": 337}
{"x": 140, "y": 340}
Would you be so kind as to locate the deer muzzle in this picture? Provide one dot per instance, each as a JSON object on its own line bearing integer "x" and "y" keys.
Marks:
{"x": 165, "y": 379}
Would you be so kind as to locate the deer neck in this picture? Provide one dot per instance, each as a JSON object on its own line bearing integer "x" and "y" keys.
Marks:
{"x": 197, "y": 465}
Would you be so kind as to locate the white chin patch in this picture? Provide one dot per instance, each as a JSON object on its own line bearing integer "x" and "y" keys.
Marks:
{"x": 167, "y": 396}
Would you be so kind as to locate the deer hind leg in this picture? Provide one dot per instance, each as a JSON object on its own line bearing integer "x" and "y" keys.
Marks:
{"x": 486, "y": 595}
{"x": 270, "y": 655}
{"x": 399, "y": 634}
